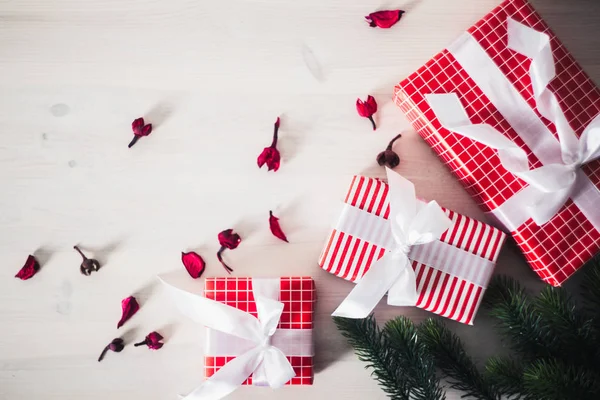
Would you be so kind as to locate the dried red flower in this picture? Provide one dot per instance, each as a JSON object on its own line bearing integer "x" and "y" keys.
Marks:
{"x": 153, "y": 341}
{"x": 116, "y": 345}
{"x": 88, "y": 264}
{"x": 228, "y": 239}
{"x": 270, "y": 155}
{"x": 384, "y": 19}
{"x": 130, "y": 306}
{"x": 275, "y": 228}
{"x": 367, "y": 109}
{"x": 388, "y": 157}
{"x": 193, "y": 263}
{"x": 139, "y": 129}
{"x": 28, "y": 270}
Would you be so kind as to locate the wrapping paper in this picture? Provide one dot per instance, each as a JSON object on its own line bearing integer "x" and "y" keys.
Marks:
{"x": 349, "y": 256}
{"x": 561, "y": 246}
{"x": 298, "y": 296}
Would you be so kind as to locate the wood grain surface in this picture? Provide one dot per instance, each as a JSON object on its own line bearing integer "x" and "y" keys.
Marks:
{"x": 211, "y": 76}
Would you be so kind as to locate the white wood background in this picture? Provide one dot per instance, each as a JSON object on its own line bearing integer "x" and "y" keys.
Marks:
{"x": 211, "y": 76}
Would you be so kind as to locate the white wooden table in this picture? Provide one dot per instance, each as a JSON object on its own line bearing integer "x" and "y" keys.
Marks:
{"x": 211, "y": 77}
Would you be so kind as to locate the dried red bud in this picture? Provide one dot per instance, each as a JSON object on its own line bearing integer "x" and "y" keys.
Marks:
{"x": 367, "y": 109}
{"x": 193, "y": 263}
{"x": 228, "y": 240}
{"x": 384, "y": 19}
{"x": 153, "y": 341}
{"x": 129, "y": 306}
{"x": 270, "y": 155}
{"x": 139, "y": 129}
{"x": 28, "y": 270}
{"x": 388, "y": 157}
{"x": 275, "y": 228}
{"x": 88, "y": 264}
{"x": 116, "y": 345}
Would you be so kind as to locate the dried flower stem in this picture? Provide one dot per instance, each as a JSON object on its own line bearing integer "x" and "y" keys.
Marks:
{"x": 80, "y": 252}
{"x": 391, "y": 144}
{"x": 372, "y": 122}
{"x": 220, "y": 258}
{"x": 103, "y": 353}
{"x": 133, "y": 141}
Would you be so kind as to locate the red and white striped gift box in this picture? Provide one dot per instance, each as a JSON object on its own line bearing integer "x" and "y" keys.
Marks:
{"x": 298, "y": 296}
{"x": 561, "y": 246}
{"x": 349, "y": 256}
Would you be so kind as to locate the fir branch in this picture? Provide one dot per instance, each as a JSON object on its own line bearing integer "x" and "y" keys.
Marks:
{"x": 414, "y": 359}
{"x": 370, "y": 345}
{"x": 568, "y": 329}
{"x": 554, "y": 380}
{"x": 509, "y": 303}
{"x": 506, "y": 375}
{"x": 452, "y": 359}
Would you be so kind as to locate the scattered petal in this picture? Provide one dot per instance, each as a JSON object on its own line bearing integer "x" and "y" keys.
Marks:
{"x": 153, "y": 341}
{"x": 140, "y": 129}
{"x": 384, "y": 19}
{"x": 116, "y": 345}
{"x": 367, "y": 108}
{"x": 228, "y": 239}
{"x": 88, "y": 264}
{"x": 28, "y": 270}
{"x": 130, "y": 306}
{"x": 270, "y": 155}
{"x": 388, "y": 157}
{"x": 193, "y": 263}
{"x": 275, "y": 228}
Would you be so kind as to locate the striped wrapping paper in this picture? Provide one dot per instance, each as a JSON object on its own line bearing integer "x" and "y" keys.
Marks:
{"x": 298, "y": 296}
{"x": 560, "y": 247}
{"x": 442, "y": 293}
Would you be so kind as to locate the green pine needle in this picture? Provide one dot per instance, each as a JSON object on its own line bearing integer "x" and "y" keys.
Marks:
{"x": 370, "y": 345}
{"x": 506, "y": 375}
{"x": 452, "y": 359}
{"x": 554, "y": 380}
{"x": 414, "y": 358}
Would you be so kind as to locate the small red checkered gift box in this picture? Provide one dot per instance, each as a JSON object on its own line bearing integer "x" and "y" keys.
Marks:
{"x": 516, "y": 119}
{"x": 443, "y": 258}
{"x": 259, "y": 332}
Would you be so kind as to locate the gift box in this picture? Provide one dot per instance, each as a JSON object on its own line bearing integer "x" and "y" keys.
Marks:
{"x": 535, "y": 94}
{"x": 298, "y": 297}
{"x": 451, "y": 273}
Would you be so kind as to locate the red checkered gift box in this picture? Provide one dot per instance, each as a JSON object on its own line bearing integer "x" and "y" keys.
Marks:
{"x": 451, "y": 273}
{"x": 298, "y": 296}
{"x": 259, "y": 332}
{"x": 510, "y": 71}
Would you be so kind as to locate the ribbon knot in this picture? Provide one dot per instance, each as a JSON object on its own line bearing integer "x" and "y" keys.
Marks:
{"x": 412, "y": 223}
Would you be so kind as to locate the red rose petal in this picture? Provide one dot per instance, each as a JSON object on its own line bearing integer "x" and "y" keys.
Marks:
{"x": 193, "y": 263}
{"x": 130, "y": 306}
{"x": 146, "y": 130}
{"x": 367, "y": 109}
{"x": 28, "y": 270}
{"x": 270, "y": 155}
{"x": 229, "y": 239}
{"x": 137, "y": 125}
{"x": 152, "y": 340}
{"x": 384, "y": 19}
{"x": 275, "y": 228}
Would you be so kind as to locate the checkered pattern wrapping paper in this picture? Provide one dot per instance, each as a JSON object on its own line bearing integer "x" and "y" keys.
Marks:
{"x": 298, "y": 296}
{"x": 560, "y": 247}
{"x": 350, "y": 257}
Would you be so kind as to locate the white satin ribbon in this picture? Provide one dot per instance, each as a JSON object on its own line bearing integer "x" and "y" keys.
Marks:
{"x": 561, "y": 177}
{"x": 264, "y": 361}
{"x": 412, "y": 223}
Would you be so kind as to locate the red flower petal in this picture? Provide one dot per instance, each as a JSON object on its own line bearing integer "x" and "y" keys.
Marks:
{"x": 153, "y": 340}
{"x": 271, "y": 157}
{"x": 384, "y": 19}
{"x": 275, "y": 228}
{"x": 130, "y": 306}
{"x": 137, "y": 125}
{"x": 193, "y": 263}
{"x": 367, "y": 109}
{"x": 28, "y": 270}
{"x": 146, "y": 130}
{"x": 229, "y": 239}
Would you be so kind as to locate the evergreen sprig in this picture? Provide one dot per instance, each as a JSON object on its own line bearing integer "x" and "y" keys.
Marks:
{"x": 371, "y": 346}
{"x": 555, "y": 380}
{"x": 452, "y": 359}
{"x": 506, "y": 374}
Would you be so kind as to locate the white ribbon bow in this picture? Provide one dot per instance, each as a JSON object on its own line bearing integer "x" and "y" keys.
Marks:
{"x": 263, "y": 361}
{"x": 411, "y": 223}
{"x": 554, "y": 182}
